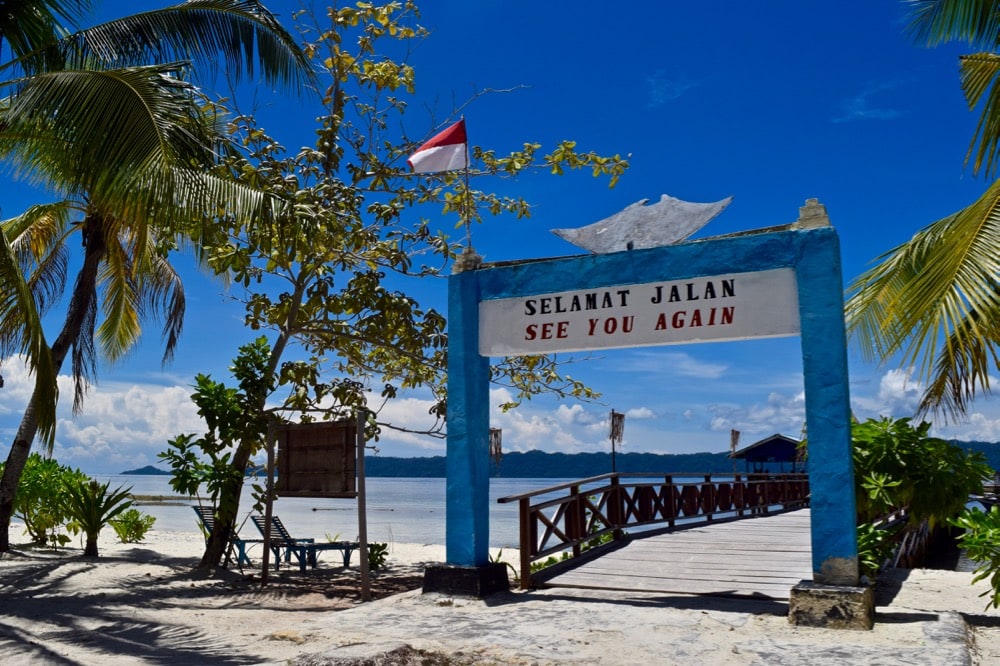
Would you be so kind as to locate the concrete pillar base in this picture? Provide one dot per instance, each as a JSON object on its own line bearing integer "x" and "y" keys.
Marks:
{"x": 472, "y": 581}
{"x": 832, "y": 606}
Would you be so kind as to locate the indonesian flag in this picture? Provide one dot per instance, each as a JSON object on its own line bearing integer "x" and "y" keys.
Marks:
{"x": 446, "y": 151}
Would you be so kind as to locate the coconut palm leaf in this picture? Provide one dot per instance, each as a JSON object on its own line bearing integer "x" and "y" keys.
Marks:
{"x": 956, "y": 377}
{"x": 933, "y": 303}
{"x": 22, "y": 331}
{"x": 29, "y": 26}
{"x": 981, "y": 83}
{"x": 976, "y": 22}
{"x": 243, "y": 32}
{"x": 91, "y": 131}
{"x": 38, "y": 239}
{"x": 138, "y": 283}
{"x": 936, "y": 22}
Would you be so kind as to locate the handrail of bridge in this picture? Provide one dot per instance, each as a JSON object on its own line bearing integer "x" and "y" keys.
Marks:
{"x": 604, "y": 505}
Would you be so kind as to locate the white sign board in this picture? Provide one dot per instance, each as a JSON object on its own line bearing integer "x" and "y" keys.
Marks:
{"x": 735, "y": 306}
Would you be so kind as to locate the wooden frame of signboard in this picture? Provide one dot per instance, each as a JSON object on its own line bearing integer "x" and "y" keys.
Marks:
{"x": 316, "y": 459}
{"x": 325, "y": 459}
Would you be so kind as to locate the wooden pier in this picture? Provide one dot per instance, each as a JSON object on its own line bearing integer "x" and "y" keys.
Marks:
{"x": 581, "y": 519}
{"x": 763, "y": 556}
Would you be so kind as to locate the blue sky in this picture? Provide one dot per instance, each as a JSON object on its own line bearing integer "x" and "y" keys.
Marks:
{"x": 772, "y": 103}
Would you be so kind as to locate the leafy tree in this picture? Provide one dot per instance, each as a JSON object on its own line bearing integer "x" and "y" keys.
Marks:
{"x": 900, "y": 467}
{"x": 38, "y": 502}
{"x": 99, "y": 119}
{"x": 328, "y": 275}
{"x": 933, "y": 302}
{"x": 232, "y": 416}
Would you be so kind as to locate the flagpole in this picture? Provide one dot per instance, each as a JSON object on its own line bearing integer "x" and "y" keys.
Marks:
{"x": 468, "y": 198}
{"x": 465, "y": 209}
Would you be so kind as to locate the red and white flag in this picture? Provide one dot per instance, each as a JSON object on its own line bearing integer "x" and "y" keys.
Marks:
{"x": 446, "y": 151}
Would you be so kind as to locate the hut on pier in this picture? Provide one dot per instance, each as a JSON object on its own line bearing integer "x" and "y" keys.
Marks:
{"x": 776, "y": 453}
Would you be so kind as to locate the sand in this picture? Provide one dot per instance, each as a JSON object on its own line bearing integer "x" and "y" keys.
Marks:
{"x": 142, "y": 604}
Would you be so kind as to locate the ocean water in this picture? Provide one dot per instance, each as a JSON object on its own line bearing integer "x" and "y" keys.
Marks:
{"x": 399, "y": 510}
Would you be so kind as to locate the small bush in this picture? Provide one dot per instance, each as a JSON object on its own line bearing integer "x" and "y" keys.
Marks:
{"x": 131, "y": 526}
{"x": 981, "y": 542}
{"x": 39, "y": 498}
{"x": 378, "y": 553}
{"x": 91, "y": 506}
{"x": 899, "y": 466}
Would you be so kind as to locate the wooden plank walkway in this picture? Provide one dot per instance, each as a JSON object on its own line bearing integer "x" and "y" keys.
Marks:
{"x": 753, "y": 557}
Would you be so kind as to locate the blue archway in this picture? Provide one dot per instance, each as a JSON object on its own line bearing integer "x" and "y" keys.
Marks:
{"x": 810, "y": 255}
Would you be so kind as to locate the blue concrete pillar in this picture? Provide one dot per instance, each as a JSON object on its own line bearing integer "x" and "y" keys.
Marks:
{"x": 828, "y": 409}
{"x": 468, "y": 464}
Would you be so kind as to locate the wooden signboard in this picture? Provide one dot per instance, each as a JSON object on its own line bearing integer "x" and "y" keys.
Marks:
{"x": 317, "y": 459}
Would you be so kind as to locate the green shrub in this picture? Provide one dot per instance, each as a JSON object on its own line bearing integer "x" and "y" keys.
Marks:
{"x": 39, "y": 498}
{"x": 91, "y": 506}
{"x": 981, "y": 542}
{"x": 377, "y": 555}
{"x": 131, "y": 526}
{"x": 898, "y": 466}
{"x": 874, "y": 548}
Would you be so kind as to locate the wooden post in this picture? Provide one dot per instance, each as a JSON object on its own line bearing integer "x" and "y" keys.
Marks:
{"x": 268, "y": 505}
{"x": 527, "y": 544}
{"x": 615, "y": 507}
{"x": 366, "y": 587}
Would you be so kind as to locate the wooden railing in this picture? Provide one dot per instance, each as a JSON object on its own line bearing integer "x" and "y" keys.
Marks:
{"x": 594, "y": 512}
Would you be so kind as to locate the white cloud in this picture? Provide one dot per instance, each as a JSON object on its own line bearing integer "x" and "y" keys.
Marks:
{"x": 663, "y": 88}
{"x": 669, "y": 364}
{"x": 898, "y": 395}
{"x": 781, "y": 413}
{"x": 642, "y": 413}
{"x": 861, "y": 106}
{"x": 120, "y": 426}
{"x": 975, "y": 427}
{"x": 412, "y": 413}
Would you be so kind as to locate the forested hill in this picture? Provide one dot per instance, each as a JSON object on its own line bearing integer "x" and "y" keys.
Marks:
{"x": 539, "y": 465}
{"x": 989, "y": 449}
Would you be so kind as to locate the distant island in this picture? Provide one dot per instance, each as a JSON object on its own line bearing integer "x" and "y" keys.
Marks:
{"x": 148, "y": 470}
{"x": 541, "y": 465}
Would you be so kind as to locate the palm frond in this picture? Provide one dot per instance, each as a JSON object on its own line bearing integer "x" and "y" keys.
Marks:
{"x": 21, "y": 327}
{"x": 162, "y": 291}
{"x": 87, "y": 132}
{"x": 980, "y": 76}
{"x": 244, "y": 32}
{"x": 935, "y": 294}
{"x": 962, "y": 370}
{"x": 84, "y": 355}
{"x": 120, "y": 327}
{"x": 38, "y": 239}
{"x": 935, "y": 22}
{"x": 31, "y": 27}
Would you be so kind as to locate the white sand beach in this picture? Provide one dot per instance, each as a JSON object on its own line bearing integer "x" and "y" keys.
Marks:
{"x": 142, "y": 604}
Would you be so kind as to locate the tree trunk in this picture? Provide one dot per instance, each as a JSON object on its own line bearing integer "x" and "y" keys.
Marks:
{"x": 228, "y": 509}
{"x": 90, "y": 550}
{"x": 84, "y": 293}
{"x": 229, "y": 496}
{"x": 16, "y": 460}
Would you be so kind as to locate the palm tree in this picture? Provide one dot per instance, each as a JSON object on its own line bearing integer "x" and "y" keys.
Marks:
{"x": 934, "y": 301}
{"x": 128, "y": 145}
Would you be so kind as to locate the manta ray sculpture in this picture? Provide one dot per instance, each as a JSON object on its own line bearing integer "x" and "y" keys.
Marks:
{"x": 640, "y": 226}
